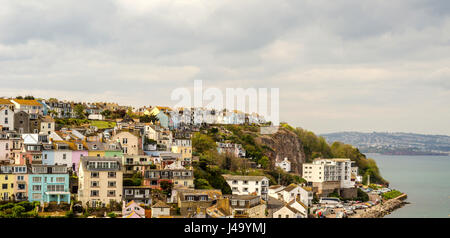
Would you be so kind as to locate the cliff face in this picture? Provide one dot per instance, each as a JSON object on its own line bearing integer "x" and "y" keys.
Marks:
{"x": 283, "y": 144}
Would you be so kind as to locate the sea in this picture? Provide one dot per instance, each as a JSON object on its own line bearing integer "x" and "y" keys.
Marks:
{"x": 425, "y": 179}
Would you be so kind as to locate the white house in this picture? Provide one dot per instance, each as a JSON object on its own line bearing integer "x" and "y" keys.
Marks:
{"x": 299, "y": 206}
{"x": 6, "y": 119}
{"x": 160, "y": 209}
{"x": 96, "y": 117}
{"x": 32, "y": 107}
{"x": 292, "y": 192}
{"x": 284, "y": 164}
{"x": 326, "y": 170}
{"x": 288, "y": 212}
{"x": 248, "y": 185}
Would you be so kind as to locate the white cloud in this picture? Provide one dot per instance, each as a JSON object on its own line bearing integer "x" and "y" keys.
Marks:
{"x": 356, "y": 65}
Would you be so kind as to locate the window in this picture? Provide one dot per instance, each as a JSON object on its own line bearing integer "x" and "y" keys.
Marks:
{"x": 55, "y": 188}
{"x": 20, "y": 178}
{"x": 6, "y": 120}
{"x": 111, "y": 193}
{"x": 64, "y": 156}
{"x": 37, "y": 196}
{"x": 60, "y": 179}
{"x": 94, "y": 193}
{"x": 36, "y": 187}
{"x": 37, "y": 179}
{"x": 49, "y": 125}
{"x": 5, "y": 186}
{"x": 94, "y": 175}
{"x": 112, "y": 184}
{"x": 111, "y": 174}
{"x": 94, "y": 184}
{"x": 125, "y": 141}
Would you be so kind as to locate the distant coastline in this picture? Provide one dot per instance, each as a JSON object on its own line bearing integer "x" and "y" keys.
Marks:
{"x": 411, "y": 153}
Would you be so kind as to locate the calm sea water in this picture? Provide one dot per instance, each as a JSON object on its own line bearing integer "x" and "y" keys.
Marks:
{"x": 426, "y": 180}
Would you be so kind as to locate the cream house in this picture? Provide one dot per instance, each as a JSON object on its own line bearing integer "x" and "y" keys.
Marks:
{"x": 47, "y": 125}
{"x": 288, "y": 212}
{"x": 99, "y": 181}
{"x": 6, "y": 119}
{"x": 131, "y": 143}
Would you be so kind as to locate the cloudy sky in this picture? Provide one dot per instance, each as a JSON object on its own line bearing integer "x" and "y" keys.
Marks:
{"x": 340, "y": 65}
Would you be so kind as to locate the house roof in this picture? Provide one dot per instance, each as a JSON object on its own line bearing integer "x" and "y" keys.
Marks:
{"x": 160, "y": 204}
{"x": 300, "y": 202}
{"x": 47, "y": 119}
{"x": 5, "y": 101}
{"x": 290, "y": 187}
{"x": 241, "y": 177}
{"x": 293, "y": 209}
{"x": 99, "y": 146}
{"x": 3, "y": 107}
{"x": 244, "y": 197}
{"x": 27, "y": 102}
{"x": 212, "y": 193}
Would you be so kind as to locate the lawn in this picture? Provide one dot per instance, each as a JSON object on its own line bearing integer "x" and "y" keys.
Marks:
{"x": 103, "y": 124}
{"x": 392, "y": 194}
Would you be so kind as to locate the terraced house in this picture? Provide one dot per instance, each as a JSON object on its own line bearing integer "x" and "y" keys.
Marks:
{"x": 32, "y": 107}
{"x": 181, "y": 177}
{"x": 19, "y": 179}
{"x": 100, "y": 181}
{"x": 6, "y": 119}
{"x": 6, "y": 186}
{"x": 48, "y": 183}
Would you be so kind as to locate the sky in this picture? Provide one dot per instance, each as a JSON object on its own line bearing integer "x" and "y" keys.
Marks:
{"x": 346, "y": 65}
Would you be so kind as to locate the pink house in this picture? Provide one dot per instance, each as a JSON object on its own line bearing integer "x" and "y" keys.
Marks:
{"x": 78, "y": 151}
{"x": 5, "y": 150}
{"x": 132, "y": 210}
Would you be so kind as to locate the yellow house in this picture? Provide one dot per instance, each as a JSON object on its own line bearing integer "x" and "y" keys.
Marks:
{"x": 95, "y": 149}
{"x": 6, "y": 186}
{"x": 185, "y": 151}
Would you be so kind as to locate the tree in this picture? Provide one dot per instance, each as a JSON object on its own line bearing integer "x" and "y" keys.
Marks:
{"x": 202, "y": 184}
{"x": 166, "y": 186}
{"x": 106, "y": 113}
{"x": 148, "y": 119}
{"x": 202, "y": 143}
{"x": 79, "y": 111}
{"x": 264, "y": 162}
{"x": 29, "y": 97}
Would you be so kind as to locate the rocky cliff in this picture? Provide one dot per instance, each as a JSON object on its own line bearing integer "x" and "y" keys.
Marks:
{"x": 283, "y": 144}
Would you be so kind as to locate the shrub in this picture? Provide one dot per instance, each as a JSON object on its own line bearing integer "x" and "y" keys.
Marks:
{"x": 69, "y": 214}
{"x": 112, "y": 215}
